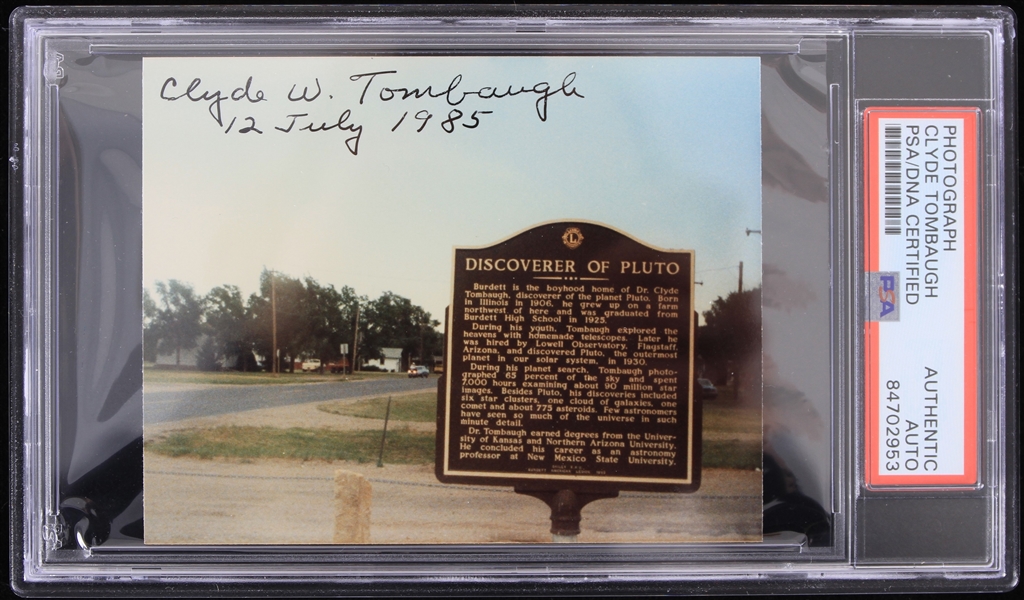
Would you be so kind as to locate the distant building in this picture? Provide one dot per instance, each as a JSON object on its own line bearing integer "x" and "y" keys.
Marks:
{"x": 392, "y": 360}
{"x": 188, "y": 357}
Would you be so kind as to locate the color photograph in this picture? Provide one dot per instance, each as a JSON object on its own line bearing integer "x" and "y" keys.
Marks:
{"x": 301, "y": 218}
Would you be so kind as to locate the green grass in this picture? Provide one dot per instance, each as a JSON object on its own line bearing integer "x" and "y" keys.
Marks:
{"x": 403, "y": 446}
{"x": 729, "y": 454}
{"x": 726, "y": 415}
{"x": 731, "y": 419}
{"x": 417, "y": 407}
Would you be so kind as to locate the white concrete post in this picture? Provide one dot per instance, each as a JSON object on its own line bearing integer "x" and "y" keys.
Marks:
{"x": 352, "y": 494}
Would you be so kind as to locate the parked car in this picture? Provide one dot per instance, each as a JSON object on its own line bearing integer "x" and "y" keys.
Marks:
{"x": 310, "y": 364}
{"x": 419, "y": 371}
{"x": 707, "y": 389}
{"x": 337, "y": 366}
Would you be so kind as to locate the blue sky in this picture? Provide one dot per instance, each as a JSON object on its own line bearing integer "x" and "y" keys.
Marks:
{"x": 666, "y": 149}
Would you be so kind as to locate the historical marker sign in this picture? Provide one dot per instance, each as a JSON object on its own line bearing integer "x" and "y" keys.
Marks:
{"x": 570, "y": 364}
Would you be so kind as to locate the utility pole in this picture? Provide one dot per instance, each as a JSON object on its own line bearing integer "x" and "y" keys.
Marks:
{"x": 735, "y": 369}
{"x": 355, "y": 338}
{"x": 423, "y": 359}
{"x": 749, "y": 231}
{"x": 273, "y": 318}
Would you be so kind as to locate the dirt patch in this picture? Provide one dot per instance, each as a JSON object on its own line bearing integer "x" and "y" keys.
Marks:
{"x": 275, "y": 501}
{"x": 194, "y": 501}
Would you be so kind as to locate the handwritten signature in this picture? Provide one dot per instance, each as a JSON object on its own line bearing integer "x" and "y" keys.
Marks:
{"x": 454, "y": 97}
{"x": 454, "y": 93}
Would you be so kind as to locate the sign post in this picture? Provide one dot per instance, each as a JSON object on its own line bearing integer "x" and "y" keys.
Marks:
{"x": 570, "y": 368}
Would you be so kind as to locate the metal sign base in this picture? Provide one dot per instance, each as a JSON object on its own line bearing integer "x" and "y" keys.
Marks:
{"x": 565, "y": 508}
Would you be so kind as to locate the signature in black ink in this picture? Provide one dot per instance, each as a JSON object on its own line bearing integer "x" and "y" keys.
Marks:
{"x": 251, "y": 127}
{"x": 341, "y": 124}
{"x": 305, "y": 92}
{"x": 216, "y": 97}
{"x": 448, "y": 125}
{"x": 454, "y": 97}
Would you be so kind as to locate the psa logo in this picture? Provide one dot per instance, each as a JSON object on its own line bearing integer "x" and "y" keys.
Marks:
{"x": 883, "y": 296}
{"x": 887, "y": 294}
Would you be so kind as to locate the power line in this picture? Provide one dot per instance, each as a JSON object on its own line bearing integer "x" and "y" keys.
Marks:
{"x": 716, "y": 269}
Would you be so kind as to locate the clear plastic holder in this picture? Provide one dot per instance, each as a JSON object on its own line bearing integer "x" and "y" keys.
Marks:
{"x": 861, "y": 169}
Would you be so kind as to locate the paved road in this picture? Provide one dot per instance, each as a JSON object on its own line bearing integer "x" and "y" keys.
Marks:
{"x": 164, "y": 406}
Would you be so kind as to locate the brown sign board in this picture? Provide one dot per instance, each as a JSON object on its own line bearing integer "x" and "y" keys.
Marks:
{"x": 569, "y": 364}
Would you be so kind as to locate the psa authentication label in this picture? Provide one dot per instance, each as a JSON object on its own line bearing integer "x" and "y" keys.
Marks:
{"x": 921, "y": 339}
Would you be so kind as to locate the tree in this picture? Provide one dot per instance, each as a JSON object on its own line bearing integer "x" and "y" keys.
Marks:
{"x": 150, "y": 338}
{"x": 313, "y": 320}
{"x": 331, "y": 314}
{"x": 730, "y": 342}
{"x": 395, "y": 322}
{"x": 207, "y": 357}
{"x": 280, "y": 300}
{"x": 228, "y": 324}
{"x": 178, "y": 321}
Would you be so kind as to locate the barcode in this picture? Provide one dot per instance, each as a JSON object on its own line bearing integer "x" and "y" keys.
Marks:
{"x": 893, "y": 179}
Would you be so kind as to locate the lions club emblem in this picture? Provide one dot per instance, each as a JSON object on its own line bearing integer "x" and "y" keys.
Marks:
{"x": 572, "y": 238}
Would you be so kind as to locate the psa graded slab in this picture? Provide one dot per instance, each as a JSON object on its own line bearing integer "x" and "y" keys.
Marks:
{"x": 479, "y": 300}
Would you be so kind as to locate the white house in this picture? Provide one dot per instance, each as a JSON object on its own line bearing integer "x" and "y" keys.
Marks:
{"x": 392, "y": 360}
{"x": 188, "y": 357}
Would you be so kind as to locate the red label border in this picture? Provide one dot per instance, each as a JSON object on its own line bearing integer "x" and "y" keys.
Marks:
{"x": 971, "y": 119}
